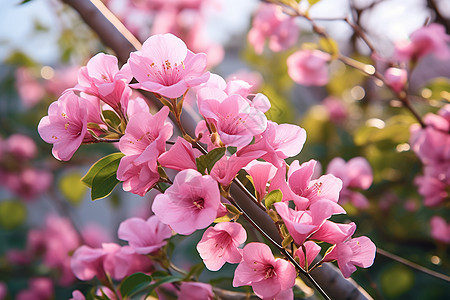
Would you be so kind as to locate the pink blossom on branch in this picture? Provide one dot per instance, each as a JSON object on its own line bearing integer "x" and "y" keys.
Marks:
{"x": 440, "y": 230}
{"x": 261, "y": 173}
{"x": 144, "y": 236}
{"x": 355, "y": 174}
{"x": 101, "y": 77}
{"x": 180, "y": 156}
{"x": 144, "y": 140}
{"x": 311, "y": 249}
{"x": 195, "y": 291}
{"x": 65, "y": 126}
{"x": 219, "y": 244}
{"x": 423, "y": 41}
{"x": 269, "y": 277}
{"x": 359, "y": 252}
{"x": 191, "y": 203}
{"x": 396, "y": 78}
{"x": 270, "y": 22}
{"x": 309, "y": 67}
{"x": 165, "y": 66}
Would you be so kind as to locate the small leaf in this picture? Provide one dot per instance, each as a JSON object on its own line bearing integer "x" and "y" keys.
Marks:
{"x": 312, "y": 2}
{"x": 100, "y": 164}
{"x": 273, "y": 197}
{"x": 167, "y": 279}
{"x": 12, "y": 214}
{"x": 208, "y": 161}
{"x": 105, "y": 180}
{"x": 330, "y": 45}
{"x": 111, "y": 118}
{"x": 134, "y": 283}
{"x": 287, "y": 241}
{"x": 72, "y": 188}
{"x": 24, "y": 1}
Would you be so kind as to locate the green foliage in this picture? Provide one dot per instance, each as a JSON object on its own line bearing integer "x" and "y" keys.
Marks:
{"x": 438, "y": 88}
{"x": 134, "y": 283}
{"x": 72, "y": 188}
{"x": 101, "y": 177}
{"x": 111, "y": 118}
{"x": 396, "y": 280}
{"x": 208, "y": 160}
{"x": 12, "y": 214}
{"x": 273, "y": 197}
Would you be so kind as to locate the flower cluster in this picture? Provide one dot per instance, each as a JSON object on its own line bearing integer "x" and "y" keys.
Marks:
{"x": 238, "y": 136}
{"x": 431, "y": 144}
{"x": 16, "y": 174}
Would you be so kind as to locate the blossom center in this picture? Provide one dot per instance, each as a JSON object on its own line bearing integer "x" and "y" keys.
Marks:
{"x": 199, "y": 203}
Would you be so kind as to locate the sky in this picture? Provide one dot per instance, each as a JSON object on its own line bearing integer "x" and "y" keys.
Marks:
{"x": 391, "y": 20}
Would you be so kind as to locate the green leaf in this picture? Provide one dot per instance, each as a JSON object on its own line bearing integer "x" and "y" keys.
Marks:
{"x": 24, "y": 1}
{"x": 273, "y": 197}
{"x": 207, "y": 161}
{"x": 72, "y": 188}
{"x": 99, "y": 165}
{"x": 12, "y": 214}
{"x": 134, "y": 283}
{"x": 287, "y": 241}
{"x": 329, "y": 45}
{"x": 167, "y": 279}
{"x": 111, "y": 118}
{"x": 312, "y": 2}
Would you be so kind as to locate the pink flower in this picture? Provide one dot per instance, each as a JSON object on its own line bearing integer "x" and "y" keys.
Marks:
{"x": 101, "y": 77}
{"x": 87, "y": 263}
{"x": 337, "y": 110}
{"x": 309, "y": 67}
{"x": 138, "y": 178}
{"x": 144, "y": 236}
{"x": 233, "y": 117}
{"x": 65, "y": 126}
{"x": 3, "y": 290}
{"x": 326, "y": 187}
{"x": 425, "y": 40}
{"x": 77, "y": 295}
{"x": 29, "y": 88}
{"x": 195, "y": 291}
{"x": 301, "y": 224}
{"x": 279, "y": 141}
{"x": 226, "y": 169}
{"x": 144, "y": 140}
{"x": 20, "y": 146}
{"x": 396, "y": 78}
{"x": 268, "y": 276}
{"x": 123, "y": 261}
{"x": 165, "y": 66}
{"x": 219, "y": 245}
{"x": 191, "y": 203}
{"x": 356, "y": 173}
{"x": 333, "y": 233}
{"x": 180, "y": 156}
{"x": 270, "y": 22}
{"x": 351, "y": 253}
{"x": 261, "y": 173}
{"x": 29, "y": 183}
{"x": 41, "y": 288}
{"x": 101, "y": 74}
{"x": 440, "y": 230}
{"x": 311, "y": 249}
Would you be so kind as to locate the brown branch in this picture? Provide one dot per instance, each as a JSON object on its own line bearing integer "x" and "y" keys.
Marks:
{"x": 330, "y": 279}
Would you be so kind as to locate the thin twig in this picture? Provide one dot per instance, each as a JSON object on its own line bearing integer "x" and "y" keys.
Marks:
{"x": 413, "y": 265}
